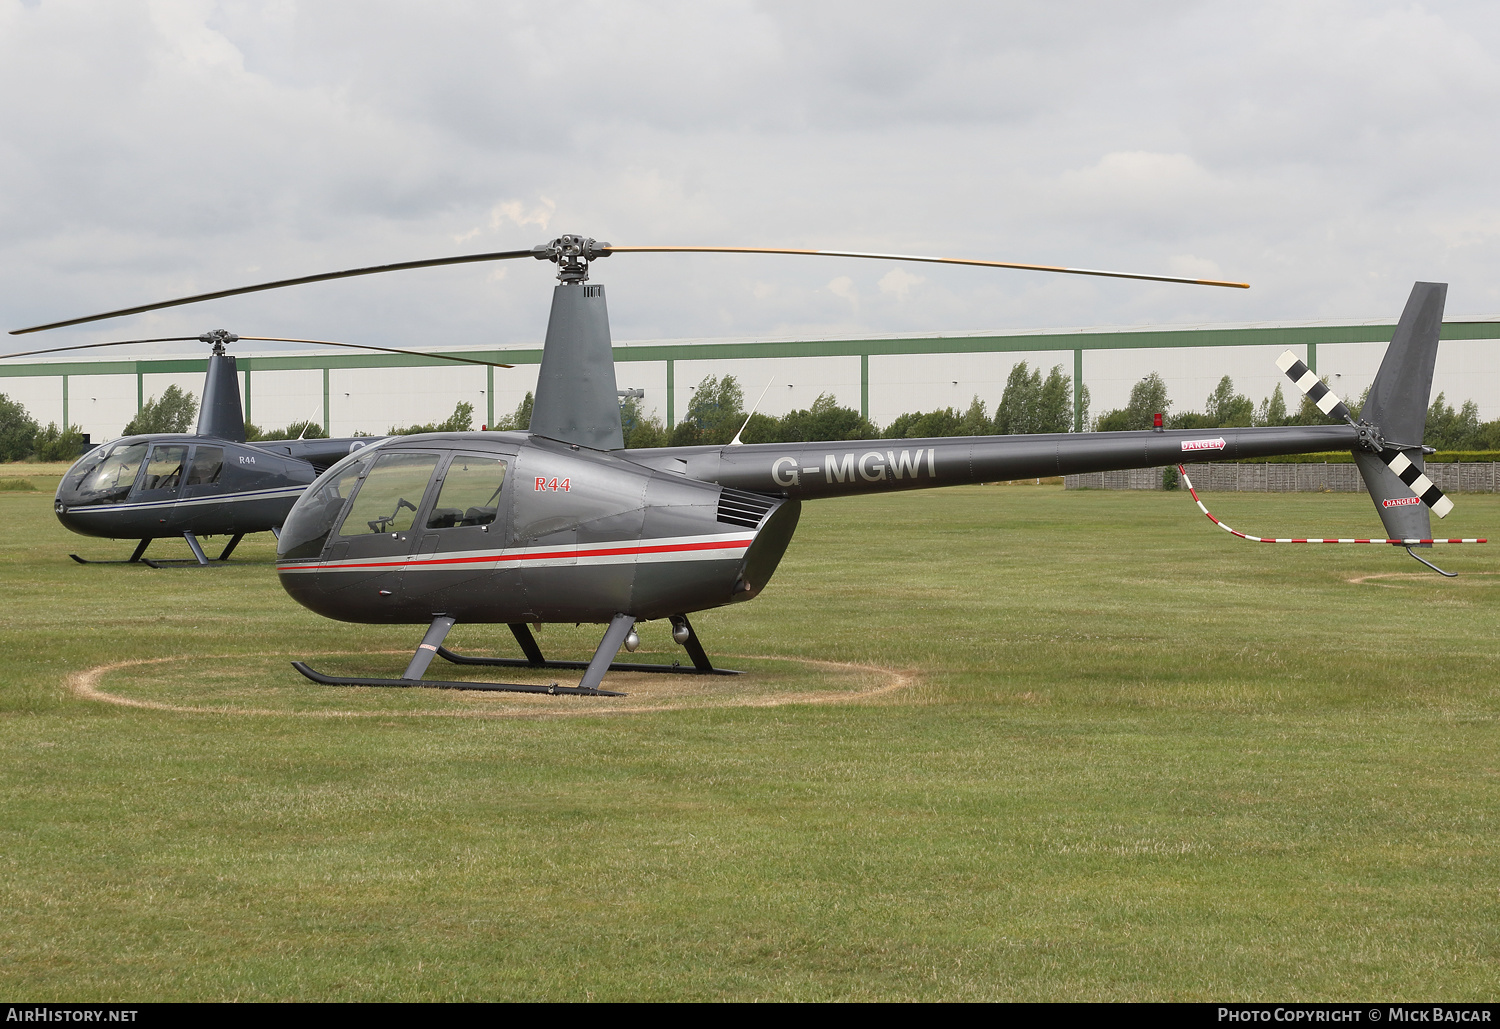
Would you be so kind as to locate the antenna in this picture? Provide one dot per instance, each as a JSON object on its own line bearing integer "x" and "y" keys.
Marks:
{"x": 736, "y": 441}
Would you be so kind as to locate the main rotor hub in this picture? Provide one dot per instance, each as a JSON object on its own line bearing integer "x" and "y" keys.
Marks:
{"x": 220, "y": 338}
{"x": 572, "y": 255}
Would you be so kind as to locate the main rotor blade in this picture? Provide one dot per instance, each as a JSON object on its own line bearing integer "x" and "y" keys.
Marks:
{"x": 91, "y": 346}
{"x": 925, "y": 260}
{"x": 388, "y": 350}
{"x": 268, "y": 339}
{"x": 437, "y": 262}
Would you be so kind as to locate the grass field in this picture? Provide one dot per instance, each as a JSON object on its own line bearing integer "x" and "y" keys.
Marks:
{"x": 1075, "y": 746}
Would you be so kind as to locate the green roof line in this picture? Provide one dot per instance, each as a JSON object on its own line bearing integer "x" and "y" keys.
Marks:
{"x": 1133, "y": 339}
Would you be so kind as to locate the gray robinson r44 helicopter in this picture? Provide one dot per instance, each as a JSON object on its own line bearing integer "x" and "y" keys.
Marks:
{"x": 561, "y": 524}
{"x": 207, "y": 483}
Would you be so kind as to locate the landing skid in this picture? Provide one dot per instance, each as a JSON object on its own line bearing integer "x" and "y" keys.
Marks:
{"x": 198, "y": 560}
{"x": 434, "y": 684}
{"x": 1429, "y": 564}
{"x": 603, "y": 661}
{"x": 134, "y": 558}
{"x": 534, "y": 658}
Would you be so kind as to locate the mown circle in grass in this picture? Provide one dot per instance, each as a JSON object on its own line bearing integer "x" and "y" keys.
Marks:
{"x": 1389, "y": 579}
{"x": 266, "y": 685}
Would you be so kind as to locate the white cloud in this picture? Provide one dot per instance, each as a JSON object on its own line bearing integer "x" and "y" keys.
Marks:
{"x": 520, "y": 215}
{"x": 843, "y": 286}
{"x": 898, "y": 283}
{"x": 1329, "y": 154}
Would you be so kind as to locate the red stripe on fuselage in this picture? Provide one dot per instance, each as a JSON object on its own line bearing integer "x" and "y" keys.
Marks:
{"x": 675, "y": 548}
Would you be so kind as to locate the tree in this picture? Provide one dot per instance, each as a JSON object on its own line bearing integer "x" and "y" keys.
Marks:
{"x": 717, "y": 409}
{"x": 1147, "y": 397}
{"x": 1019, "y": 407}
{"x": 461, "y": 420}
{"x": 1054, "y": 407}
{"x": 17, "y": 430}
{"x": 825, "y": 420}
{"x": 1448, "y": 429}
{"x": 173, "y": 411}
{"x": 918, "y": 425}
{"x": 520, "y": 421}
{"x": 296, "y": 430}
{"x": 639, "y": 430}
{"x": 975, "y": 422}
{"x": 1227, "y": 409}
{"x": 54, "y": 444}
{"x": 1272, "y": 409}
{"x": 761, "y": 428}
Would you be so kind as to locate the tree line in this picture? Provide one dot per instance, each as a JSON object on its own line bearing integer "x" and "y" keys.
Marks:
{"x": 1029, "y": 403}
{"x": 1224, "y": 408}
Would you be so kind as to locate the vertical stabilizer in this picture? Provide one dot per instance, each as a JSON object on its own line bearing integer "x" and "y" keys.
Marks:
{"x": 576, "y": 398}
{"x": 1397, "y": 404}
{"x": 221, "y": 413}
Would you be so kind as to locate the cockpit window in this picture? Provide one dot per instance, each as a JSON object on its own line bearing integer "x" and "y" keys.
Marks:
{"x": 313, "y": 518}
{"x": 387, "y": 500}
{"x": 470, "y": 493}
{"x": 164, "y": 470}
{"x": 208, "y": 462}
{"x": 111, "y": 475}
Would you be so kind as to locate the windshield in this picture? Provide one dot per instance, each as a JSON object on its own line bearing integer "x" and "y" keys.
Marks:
{"x": 313, "y": 517}
{"x": 106, "y": 475}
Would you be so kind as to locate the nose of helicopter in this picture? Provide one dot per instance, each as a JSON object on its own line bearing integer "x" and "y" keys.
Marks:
{"x": 64, "y": 505}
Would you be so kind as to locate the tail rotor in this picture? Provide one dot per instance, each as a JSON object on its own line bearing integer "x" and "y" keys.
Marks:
{"x": 1394, "y": 417}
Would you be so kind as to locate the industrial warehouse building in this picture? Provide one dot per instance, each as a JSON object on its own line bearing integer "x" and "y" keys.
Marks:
{"x": 883, "y": 377}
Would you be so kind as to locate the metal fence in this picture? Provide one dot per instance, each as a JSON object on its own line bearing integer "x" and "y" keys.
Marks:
{"x": 1450, "y": 477}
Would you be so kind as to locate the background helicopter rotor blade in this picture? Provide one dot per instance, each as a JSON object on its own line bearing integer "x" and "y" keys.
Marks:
{"x": 923, "y": 260}
{"x": 388, "y": 350}
{"x": 269, "y": 339}
{"x": 437, "y": 262}
{"x": 91, "y": 346}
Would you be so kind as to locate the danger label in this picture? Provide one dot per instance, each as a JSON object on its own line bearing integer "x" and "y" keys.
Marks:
{"x": 1401, "y": 502}
{"x": 1203, "y": 444}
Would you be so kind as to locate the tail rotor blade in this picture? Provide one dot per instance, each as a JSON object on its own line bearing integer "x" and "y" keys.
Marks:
{"x": 1312, "y": 387}
{"x": 1417, "y": 481}
{"x": 1328, "y": 402}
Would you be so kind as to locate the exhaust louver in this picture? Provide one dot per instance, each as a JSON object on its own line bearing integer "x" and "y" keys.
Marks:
{"x": 737, "y": 507}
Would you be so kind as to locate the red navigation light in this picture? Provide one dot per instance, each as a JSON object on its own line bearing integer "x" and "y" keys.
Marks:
{"x": 1156, "y": 420}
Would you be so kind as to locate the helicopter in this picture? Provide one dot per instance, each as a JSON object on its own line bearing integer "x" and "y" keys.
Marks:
{"x": 562, "y": 524}
{"x": 209, "y": 482}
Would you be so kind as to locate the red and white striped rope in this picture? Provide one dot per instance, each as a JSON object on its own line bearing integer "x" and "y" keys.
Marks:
{"x": 1263, "y": 539}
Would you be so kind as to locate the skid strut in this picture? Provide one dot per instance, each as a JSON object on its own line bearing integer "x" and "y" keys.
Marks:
{"x": 199, "y": 558}
{"x": 535, "y": 659}
{"x": 432, "y": 645}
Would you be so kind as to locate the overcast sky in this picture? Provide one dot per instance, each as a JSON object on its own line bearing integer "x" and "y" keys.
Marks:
{"x": 1327, "y": 153}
